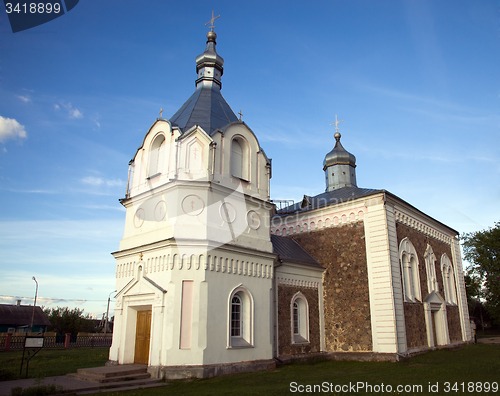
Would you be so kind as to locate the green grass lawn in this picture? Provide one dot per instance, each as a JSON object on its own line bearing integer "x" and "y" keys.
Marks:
{"x": 471, "y": 363}
{"x": 50, "y": 362}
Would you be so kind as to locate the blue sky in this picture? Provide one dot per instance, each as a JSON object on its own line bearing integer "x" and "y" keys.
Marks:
{"x": 416, "y": 83}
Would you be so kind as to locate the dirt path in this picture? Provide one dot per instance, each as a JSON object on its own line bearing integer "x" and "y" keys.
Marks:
{"x": 489, "y": 340}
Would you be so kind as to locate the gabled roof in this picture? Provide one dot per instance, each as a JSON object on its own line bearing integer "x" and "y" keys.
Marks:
{"x": 20, "y": 315}
{"x": 328, "y": 198}
{"x": 289, "y": 250}
{"x": 207, "y": 108}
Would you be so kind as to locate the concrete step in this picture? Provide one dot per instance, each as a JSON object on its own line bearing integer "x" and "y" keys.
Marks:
{"x": 125, "y": 370}
{"x": 120, "y": 388}
{"x": 88, "y": 376}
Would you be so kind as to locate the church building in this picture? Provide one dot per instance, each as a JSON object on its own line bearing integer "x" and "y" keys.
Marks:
{"x": 213, "y": 279}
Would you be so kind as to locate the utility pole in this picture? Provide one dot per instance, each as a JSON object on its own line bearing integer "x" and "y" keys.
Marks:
{"x": 34, "y": 305}
{"x": 107, "y": 313}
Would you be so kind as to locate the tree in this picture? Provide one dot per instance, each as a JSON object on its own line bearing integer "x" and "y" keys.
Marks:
{"x": 482, "y": 250}
{"x": 64, "y": 320}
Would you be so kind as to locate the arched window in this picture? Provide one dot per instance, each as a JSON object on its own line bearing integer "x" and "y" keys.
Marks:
{"x": 448, "y": 280}
{"x": 430, "y": 266}
{"x": 236, "y": 327}
{"x": 156, "y": 155}
{"x": 239, "y": 158}
{"x": 296, "y": 318}
{"x": 409, "y": 271}
{"x": 299, "y": 319}
{"x": 240, "y": 318}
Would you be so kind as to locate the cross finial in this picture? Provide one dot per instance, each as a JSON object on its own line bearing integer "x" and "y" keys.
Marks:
{"x": 211, "y": 21}
{"x": 336, "y": 123}
{"x": 240, "y": 115}
{"x": 161, "y": 111}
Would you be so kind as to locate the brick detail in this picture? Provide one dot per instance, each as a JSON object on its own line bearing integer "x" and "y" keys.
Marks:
{"x": 285, "y": 345}
{"x": 342, "y": 250}
{"x": 454, "y": 327}
{"x": 416, "y": 333}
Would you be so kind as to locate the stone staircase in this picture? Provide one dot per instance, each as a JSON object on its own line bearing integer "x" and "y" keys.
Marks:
{"x": 115, "y": 378}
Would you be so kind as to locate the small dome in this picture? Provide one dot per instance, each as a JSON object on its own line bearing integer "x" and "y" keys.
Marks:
{"x": 339, "y": 155}
{"x": 211, "y": 36}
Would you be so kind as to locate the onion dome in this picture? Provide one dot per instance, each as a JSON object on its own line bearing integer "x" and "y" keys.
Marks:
{"x": 339, "y": 155}
{"x": 339, "y": 166}
{"x": 209, "y": 64}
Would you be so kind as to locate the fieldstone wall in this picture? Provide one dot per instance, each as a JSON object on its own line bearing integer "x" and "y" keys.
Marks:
{"x": 285, "y": 344}
{"x": 454, "y": 327}
{"x": 342, "y": 250}
{"x": 416, "y": 332}
{"x": 420, "y": 241}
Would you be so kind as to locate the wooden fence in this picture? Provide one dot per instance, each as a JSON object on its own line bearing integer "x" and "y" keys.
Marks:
{"x": 10, "y": 341}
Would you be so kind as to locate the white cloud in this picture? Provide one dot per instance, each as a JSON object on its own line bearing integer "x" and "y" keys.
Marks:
{"x": 11, "y": 129}
{"x": 73, "y": 112}
{"x": 99, "y": 181}
{"x": 34, "y": 191}
{"x": 4, "y": 149}
{"x": 25, "y": 99}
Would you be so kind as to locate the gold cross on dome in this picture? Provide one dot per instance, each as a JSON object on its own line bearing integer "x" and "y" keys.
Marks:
{"x": 240, "y": 114}
{"x": 211, "y": 21}
{"x": 336, "y": 123}
{"x": 161, "y": 111}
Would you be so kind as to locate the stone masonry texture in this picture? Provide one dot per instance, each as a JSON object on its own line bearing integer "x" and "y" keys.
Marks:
{"x": 415, "y": 335}
{"x": 285, "y": 344}
{"x": 342, "y": 250}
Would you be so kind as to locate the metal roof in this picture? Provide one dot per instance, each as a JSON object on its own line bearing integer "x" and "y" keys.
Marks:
{"x": 207, "y": 108}
{"x": 328, "y": 198}
{"x": 20, "y": 315}
{"x": 289, "y": 250}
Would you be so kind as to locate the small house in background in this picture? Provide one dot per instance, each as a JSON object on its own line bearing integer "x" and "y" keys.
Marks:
{"x": 17, "y": 319}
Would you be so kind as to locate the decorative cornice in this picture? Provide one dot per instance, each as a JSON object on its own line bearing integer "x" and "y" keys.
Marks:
{"x": 420, "y": 226}
{"x": 297, "y": 283}
{"x": 294, "y": 225}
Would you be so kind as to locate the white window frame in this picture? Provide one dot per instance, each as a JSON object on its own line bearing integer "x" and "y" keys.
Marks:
{"x": 246, "y": 336}
{"x": 239, "y": 161}
{"x": 156, "y": 154}
{"x": 430, "y": 267}
{"x": 410, "y": 275}
{"x": 302, "y": 336}
{"x": 448, "y": 280}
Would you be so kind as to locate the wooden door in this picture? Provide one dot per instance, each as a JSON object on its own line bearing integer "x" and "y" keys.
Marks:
{"x": 142, "y": 337}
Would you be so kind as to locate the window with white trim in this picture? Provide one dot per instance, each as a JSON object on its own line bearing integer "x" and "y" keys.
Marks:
{"x": 430, "y": 267}
{"x": 156, "y": 155}
{"x": 299, "y": 318}
{"x": 409, "y": 271}
{"x": 236, "y": 322}
{"x": 239, "y": 158}
{"x": 450, "y": 292}
{"x": 240, "y": 318}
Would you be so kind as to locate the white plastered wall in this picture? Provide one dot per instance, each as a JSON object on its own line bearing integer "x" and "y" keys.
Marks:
{"x": 386, "y": 305}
